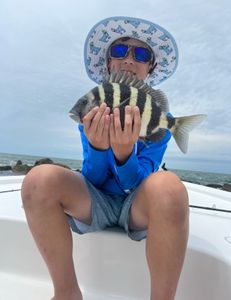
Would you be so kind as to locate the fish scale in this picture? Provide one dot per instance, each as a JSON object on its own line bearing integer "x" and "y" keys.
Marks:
{"x": 108, "y": 94}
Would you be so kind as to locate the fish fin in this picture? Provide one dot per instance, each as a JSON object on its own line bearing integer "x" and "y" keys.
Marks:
{"x": 160, "y": 98}
{"x": 157, "y": 136}
{"x": 123, "y": 77}
{"x": 110, "y": 77}
{"x": 182, "y": 128}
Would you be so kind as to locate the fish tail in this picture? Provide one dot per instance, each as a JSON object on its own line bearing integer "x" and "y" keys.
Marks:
{"x": 183, "y": 125}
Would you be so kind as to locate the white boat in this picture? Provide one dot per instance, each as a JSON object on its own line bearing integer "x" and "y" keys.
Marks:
{"x": 109, "y": 265}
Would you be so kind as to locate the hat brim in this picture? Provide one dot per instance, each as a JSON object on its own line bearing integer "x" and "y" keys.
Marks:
{"x": 105, "y": 32}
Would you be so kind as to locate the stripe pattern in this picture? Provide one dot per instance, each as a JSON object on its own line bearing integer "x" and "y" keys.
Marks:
{"x": 120, "y": 95}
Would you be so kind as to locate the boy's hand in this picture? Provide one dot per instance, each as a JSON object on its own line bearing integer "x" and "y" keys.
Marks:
{"x": 96, "y": 127}
{"x": 122, "y": 141}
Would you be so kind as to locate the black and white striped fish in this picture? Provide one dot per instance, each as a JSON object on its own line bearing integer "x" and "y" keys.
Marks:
{"x": 121, "y": 89}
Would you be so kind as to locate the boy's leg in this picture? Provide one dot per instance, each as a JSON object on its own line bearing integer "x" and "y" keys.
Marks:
{"x": 47, "y": 193}
{"x": 161, "y": 206}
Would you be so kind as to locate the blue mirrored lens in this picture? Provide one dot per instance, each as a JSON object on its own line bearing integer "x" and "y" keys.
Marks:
{"x": 119, "y": 51}
{"x": 142, "y": 54}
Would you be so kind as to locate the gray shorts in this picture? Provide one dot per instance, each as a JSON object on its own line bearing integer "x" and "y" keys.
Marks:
{"x": 107, "y": 211}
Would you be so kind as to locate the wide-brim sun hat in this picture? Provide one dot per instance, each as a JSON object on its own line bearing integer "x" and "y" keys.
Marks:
{"x": 105, "y": 32}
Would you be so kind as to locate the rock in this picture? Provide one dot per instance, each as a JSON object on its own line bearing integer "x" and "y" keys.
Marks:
{"x": 61, "y": 165}
{"x": 43, "y": 161}
{"x": 214, "y": 185}
{"x": 5, "y": 168}
{"x": 19, "y": 167}
{"x": 49, "y": 161}
{"x": 227, "y": 187}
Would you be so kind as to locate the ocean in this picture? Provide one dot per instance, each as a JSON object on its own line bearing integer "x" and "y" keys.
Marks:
{"x": 203, "y": 178}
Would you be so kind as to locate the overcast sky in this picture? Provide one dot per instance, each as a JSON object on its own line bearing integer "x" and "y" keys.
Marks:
{"x": 42, "y": 73}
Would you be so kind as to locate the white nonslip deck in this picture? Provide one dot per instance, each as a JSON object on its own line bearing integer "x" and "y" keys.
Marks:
{"x": 109, "y": 265}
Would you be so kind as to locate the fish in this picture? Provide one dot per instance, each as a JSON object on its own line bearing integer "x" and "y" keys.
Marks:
{"x": 121, "y": 89}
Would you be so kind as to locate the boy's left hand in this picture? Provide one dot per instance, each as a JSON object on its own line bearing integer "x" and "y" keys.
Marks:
{"x": 122, "y": 141}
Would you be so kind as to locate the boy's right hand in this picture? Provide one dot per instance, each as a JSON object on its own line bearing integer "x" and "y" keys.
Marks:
{"x": 96, "y": 127}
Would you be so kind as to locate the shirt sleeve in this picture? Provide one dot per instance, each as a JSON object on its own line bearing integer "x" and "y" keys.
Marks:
{"x": 95, "y": 162}
{"x": 140, "y": 165}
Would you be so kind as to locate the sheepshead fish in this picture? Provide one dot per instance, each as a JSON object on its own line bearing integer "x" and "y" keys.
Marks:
{"x": 121, "y": 89}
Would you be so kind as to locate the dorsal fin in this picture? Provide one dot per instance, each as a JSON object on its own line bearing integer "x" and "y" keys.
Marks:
{"x": 123, "y": 77}
{"x": 161, "y": 99}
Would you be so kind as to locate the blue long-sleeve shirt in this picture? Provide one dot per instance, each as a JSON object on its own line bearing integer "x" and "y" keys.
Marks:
{"x": 101, "y": 169}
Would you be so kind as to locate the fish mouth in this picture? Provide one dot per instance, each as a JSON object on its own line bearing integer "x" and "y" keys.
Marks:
{"x": 75, "y": 117}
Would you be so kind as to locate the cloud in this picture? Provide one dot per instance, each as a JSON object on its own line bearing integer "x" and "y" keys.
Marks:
{"x": 42, "y": 70}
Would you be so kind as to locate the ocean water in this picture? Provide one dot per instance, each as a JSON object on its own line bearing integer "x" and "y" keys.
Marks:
{"x": 8, "y": 159}
{"x": 203, "y": 178}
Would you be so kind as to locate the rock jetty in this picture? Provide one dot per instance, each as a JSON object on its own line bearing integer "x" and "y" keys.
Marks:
{"x": 21, "y": 168}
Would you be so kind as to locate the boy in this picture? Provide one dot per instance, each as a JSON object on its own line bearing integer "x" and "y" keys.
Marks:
{"x": 120, "y": 183}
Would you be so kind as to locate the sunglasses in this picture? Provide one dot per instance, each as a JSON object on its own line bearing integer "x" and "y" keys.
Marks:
{"x": 140, "y": 54}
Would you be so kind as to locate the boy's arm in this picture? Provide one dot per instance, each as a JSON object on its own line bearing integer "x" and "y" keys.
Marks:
{"x": 139, "y": 166}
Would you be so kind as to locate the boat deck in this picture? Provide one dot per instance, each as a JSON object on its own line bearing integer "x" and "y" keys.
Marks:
{"x": 111, "y": 266}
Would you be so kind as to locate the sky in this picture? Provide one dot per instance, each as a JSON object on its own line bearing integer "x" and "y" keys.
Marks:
{"x": 42, "y": 74}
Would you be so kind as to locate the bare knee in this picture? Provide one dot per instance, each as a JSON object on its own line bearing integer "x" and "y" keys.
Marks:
{"x": 166, "y": 195}
{"x": 40, "y": 184}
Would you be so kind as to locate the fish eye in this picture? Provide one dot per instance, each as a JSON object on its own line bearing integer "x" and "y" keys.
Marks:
{"x": 84, "y": 101}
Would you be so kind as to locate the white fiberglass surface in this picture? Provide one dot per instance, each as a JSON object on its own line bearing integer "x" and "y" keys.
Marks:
{"x": 14, "y": 287}
{"x": 109, "y": 265}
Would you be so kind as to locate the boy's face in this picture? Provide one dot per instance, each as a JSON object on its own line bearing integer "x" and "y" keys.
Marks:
{"x": 129, "y": 64}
